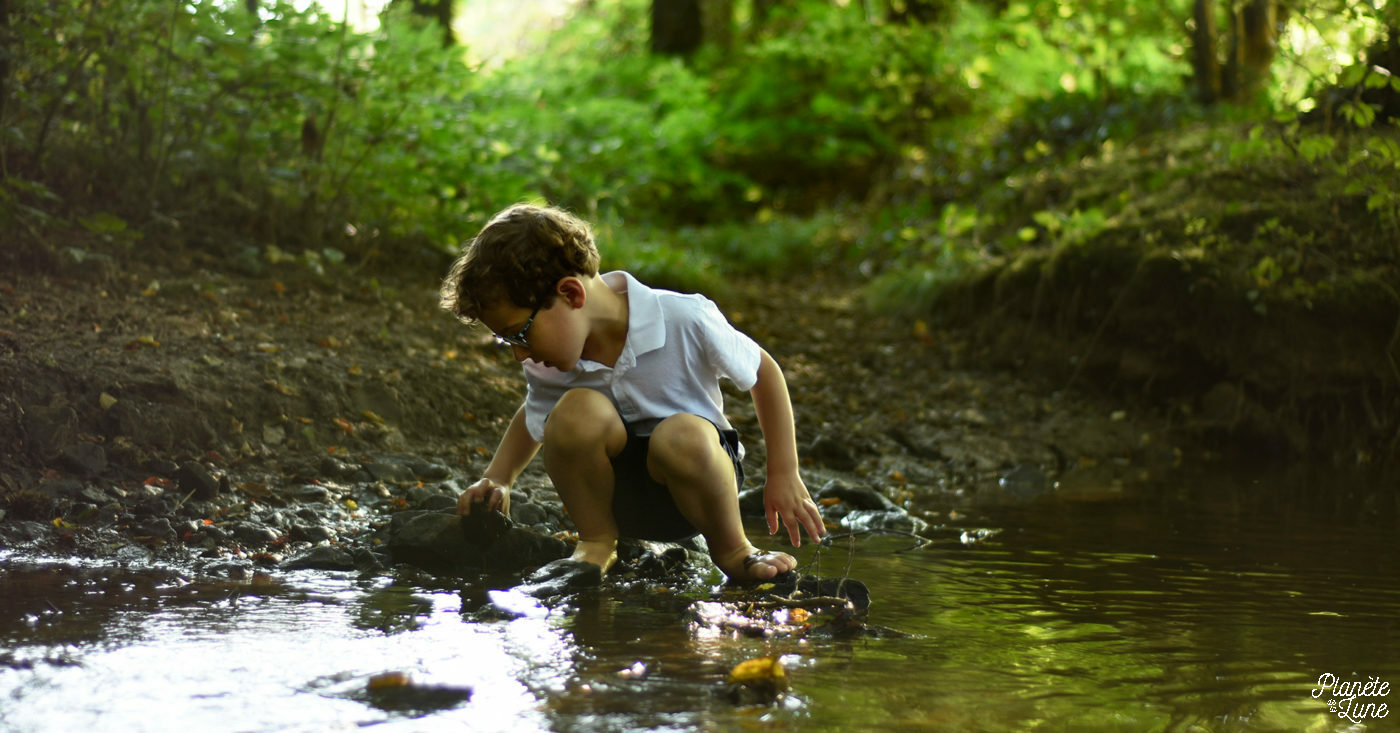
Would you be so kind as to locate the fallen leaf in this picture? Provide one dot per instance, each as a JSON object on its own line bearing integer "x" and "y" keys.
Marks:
{"x": 106, "y": 401}
{"x": 268, "y": 348}
{"x": 374, "y": 418}
{"x": 344, "y": 425}
{"x": 759, "y": 671}
{"x": 388, "y": 680}
{"x": 281, "y": 388}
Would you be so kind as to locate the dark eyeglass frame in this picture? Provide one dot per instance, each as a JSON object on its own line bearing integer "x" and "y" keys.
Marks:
{"x": 520, "y": 339}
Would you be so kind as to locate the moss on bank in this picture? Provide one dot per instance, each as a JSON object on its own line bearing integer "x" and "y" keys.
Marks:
{"x": 1252, "y": 288}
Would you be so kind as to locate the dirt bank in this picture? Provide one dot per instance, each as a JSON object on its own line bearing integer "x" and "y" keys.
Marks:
{"x": 158, "y": 382}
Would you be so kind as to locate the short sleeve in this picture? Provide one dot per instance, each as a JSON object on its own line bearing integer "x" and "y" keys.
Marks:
{"x": 730, "y": 352}
{"x": 540, "y": 396}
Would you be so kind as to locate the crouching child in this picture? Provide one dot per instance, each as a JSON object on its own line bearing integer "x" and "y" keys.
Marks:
{"x": 623, "y": 398}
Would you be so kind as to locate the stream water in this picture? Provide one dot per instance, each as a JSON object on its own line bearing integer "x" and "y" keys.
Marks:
{"x": 1222, "y": 604}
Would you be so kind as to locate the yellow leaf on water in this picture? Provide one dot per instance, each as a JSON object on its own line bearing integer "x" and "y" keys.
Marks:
{"x": 389, "y": 680}
{"x": 372, "y": 417}
{"x": 759, "y": 671}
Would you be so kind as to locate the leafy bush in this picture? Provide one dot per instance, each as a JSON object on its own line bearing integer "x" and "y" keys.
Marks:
{"x": 829, "y": 99}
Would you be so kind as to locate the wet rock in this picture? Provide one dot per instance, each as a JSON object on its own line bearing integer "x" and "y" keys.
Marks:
{"x": 562, "y": 577}
{"x": 253, "y": 534}
{"x": 83, "y": 458}
{"x": 650, "y": 559}
{"x": 63, "y": 488}
{"x": 308, "y": 493}
{"x": 508, "y": 547}
{"x": 405, "y": 696}
{"x": 895, "y": 520}
{"x": 528, "y": 513}
{"x": 797, "y": 586}
{"x": 95, "y": 495}
{"x": 367, "y": 562}
{"x": 430, "y": 471}
{"x": 162, "y": 467}
{"x": 233, "y": 568}
{"x": 133, "y": 555}
{"x": 485, "y": 528}
{"x": 194, "y": 477}
{"x": 48, "y": 430}
{"x": 158, "y": 528}
{"x": 432, "y": 498}
{"x": 1025, "y": 481}
{"x": 391, "y": 472}
{"x": 332, "y": 467}
{"x": 439, "y": 503}
{"x": 856, "y": 497}
{"x": 324, "y": 557}
{"x": 312, "y": 533}
{"x": 20, "y": 533}
{"x": 432, "y": 540}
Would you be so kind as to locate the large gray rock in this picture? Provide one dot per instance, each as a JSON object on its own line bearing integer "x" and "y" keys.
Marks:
{"x": 482, "y": 541}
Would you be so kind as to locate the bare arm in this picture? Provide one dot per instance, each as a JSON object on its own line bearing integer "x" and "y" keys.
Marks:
{"x": 514, "y": 453}
{"x": 785, "y": 496}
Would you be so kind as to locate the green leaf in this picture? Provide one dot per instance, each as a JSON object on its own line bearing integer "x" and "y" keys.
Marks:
{"x": 103, "y": 223}
{"x": 1314, "y": 147}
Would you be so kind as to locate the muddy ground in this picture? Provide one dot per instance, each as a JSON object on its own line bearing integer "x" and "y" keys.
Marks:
{"x": 234, "y": 412}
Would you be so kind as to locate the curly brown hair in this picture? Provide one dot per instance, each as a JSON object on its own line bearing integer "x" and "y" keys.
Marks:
{"x": 518, "y": 257}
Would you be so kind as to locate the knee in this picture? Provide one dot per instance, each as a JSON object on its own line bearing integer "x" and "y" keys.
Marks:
{"x": 683, "y": 445}
{"x": 581, "y": 415}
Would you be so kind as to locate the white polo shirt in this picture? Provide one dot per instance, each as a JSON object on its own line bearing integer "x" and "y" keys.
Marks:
{"x": 678, "y": 348}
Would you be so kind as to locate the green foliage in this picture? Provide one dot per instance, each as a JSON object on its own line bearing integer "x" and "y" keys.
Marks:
{"x": 979, "y": 138}
{"x": 831, "y": 95}
{"x": 284, "y": 127}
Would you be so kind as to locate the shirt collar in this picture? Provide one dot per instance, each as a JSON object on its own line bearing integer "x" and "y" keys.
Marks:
{"x": 646, "y": 326}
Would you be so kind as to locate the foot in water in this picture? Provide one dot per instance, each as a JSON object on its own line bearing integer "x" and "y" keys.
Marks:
{"x": 749, "y": 565}
{"x": 602, "y": 553}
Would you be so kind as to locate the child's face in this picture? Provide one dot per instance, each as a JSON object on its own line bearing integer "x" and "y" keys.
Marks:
{"x": 546, "y": 335}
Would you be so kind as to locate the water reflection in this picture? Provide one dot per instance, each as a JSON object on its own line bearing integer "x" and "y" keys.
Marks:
{"x": 1195, "y": 608}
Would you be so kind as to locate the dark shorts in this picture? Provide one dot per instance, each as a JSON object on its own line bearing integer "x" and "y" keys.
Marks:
{"x": 643, "y": 508}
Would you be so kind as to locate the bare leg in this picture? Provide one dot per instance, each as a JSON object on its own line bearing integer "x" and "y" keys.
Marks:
{"x": 686, "y": 456}
{"x": 582, "y": 434}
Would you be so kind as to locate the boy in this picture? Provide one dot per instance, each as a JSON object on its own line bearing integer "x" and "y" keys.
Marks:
{"x": 622, "y": 394}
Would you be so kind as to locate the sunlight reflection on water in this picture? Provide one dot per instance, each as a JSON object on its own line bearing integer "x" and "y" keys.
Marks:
{"x": 1139, "y": 614}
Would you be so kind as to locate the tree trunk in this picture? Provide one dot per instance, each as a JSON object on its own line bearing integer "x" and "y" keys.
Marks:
{"x": 1254, "y": 39}
{"x": 5, "y": 51}
{"x": 761, "y": 11}
{"x": 1207, "y": 66}
{"x": 907, "y": 12}
{"x": 718, "y": 27}
{"x": 675, "y": 27}
{"x": 439, "y": 11}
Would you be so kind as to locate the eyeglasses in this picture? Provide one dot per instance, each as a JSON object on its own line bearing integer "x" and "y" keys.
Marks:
{"x": 518, "y": 339}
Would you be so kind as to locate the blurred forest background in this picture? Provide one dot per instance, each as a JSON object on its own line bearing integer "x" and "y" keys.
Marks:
{"x": 1211, "y": 186}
